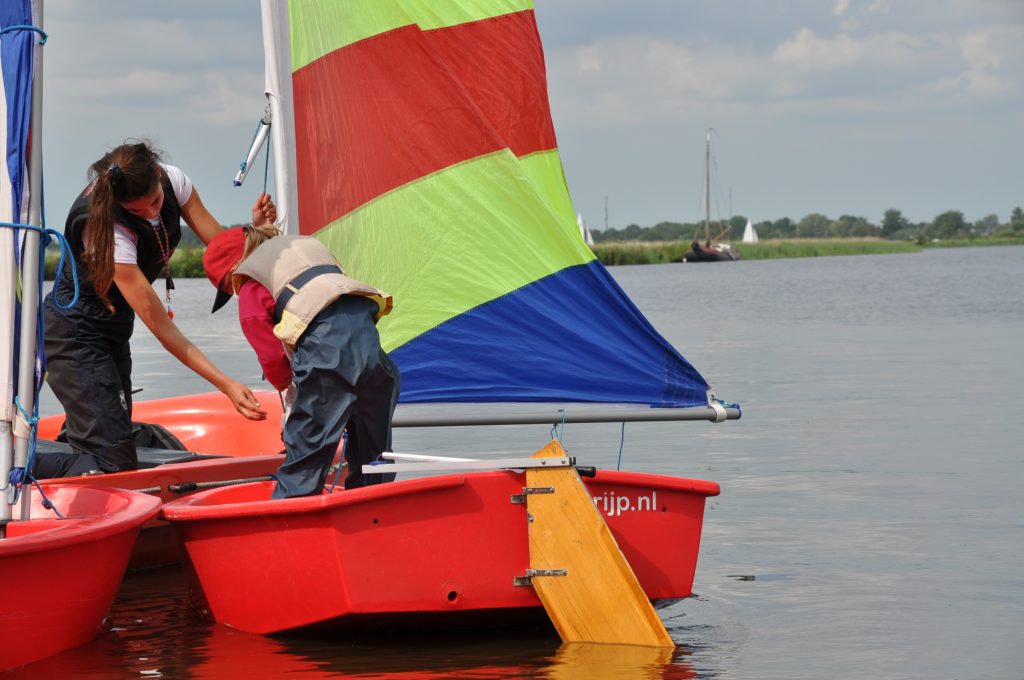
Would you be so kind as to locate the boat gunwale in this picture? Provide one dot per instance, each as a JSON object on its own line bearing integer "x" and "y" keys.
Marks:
{"x": 198, "y": 506}
{"x": 132, "y": 513}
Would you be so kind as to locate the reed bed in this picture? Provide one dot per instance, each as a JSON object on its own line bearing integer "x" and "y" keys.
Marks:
{"x": 962, "y": 242}
{"x": 779, "y": 248}
{"x": 658, "y": 252}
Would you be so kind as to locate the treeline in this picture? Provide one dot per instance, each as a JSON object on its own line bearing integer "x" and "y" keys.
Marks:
{"x": 894, "y": 226}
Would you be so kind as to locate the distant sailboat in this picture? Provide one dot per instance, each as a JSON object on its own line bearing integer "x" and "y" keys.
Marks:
{"x": 710, "y": 250}
{"x": 585, "y": 234}
{"x": 750, "y": 233}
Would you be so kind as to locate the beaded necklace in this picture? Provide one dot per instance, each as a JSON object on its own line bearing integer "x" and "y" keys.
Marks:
{"x": 163, "y": 239}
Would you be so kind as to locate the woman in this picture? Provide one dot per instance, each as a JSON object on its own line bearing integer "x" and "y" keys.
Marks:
{"x": 123, "y": 229}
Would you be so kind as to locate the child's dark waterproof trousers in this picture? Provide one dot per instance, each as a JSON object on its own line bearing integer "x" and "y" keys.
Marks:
{"x": 342, "y": 378}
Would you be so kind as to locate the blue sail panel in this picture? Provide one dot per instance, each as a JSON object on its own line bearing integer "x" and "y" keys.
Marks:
{"x": 573, "y": 336}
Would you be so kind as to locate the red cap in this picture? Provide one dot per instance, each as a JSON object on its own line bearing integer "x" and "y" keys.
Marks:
{"x": 222, "y": 255}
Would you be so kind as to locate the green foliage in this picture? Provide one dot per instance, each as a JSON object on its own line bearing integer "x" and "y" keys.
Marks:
{"x": 185, "y": 263}
{"x": 636, "y": 252}
{"x": 849, "y": 226}
{"x": 893, "y": 223}
{"x": 814, "y": 225}
{"x": 949, "y": 224}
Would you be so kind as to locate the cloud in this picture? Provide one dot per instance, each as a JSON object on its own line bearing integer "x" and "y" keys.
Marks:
{"x": 880, "y": 7}
{"x": 638, "y": 80}
{"x": 192, "y": 73}
{"x": 992, "y": 65}
{"x": 809, "y": 52}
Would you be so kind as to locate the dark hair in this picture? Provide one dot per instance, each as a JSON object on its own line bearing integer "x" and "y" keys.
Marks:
{"x": 125, "y": 173}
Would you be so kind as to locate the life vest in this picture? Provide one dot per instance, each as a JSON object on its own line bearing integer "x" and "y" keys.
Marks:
{"x": 150, "y": 256}
{"x": 304, "y": 277}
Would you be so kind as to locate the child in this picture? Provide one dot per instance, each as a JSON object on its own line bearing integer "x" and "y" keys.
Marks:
{"x": 312, "y": 328}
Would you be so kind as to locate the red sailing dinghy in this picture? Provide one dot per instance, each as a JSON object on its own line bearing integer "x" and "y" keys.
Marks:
{"x": 444, "y": 549}
{"x": 61, "y": 572}
{"x": 219, "y": 447}
{"x": 60, "y": 566}
{"x": 423, "y": 154}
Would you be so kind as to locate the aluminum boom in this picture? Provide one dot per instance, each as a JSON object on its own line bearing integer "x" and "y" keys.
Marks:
{"x": 571, "y": 416}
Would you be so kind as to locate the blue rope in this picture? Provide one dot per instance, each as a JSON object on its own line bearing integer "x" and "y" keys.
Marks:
{"x": 45, "y": 235}
{"x": 19, "y": 475}
{"x": 555, "y": 433}
{"x": 622, "y": 441}
{"x": 266, "y": 169}
{"x": 722, "y": 402}
{"x": 27, "y": 27}
{"x": 46, "y": 502}
{"x": 341, "y": 462}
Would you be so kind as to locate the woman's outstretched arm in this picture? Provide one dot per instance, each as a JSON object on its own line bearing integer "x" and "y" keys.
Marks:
{"x": 146, "y": 303}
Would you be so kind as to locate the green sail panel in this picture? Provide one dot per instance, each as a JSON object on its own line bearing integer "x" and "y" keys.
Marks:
{"x": 319, "y": 28}
{"x": 457, "y": 239}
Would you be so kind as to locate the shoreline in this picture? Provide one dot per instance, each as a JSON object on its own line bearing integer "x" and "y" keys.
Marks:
{"x": 613, "y": 253}
{"x": 187, "y": 263}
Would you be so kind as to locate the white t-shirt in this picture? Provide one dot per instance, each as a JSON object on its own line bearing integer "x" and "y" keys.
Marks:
{"x": 125, "y": 240}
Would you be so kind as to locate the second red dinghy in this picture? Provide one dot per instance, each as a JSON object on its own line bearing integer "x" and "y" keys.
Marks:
{"x": 445, "y": 549}
{"x": 62, "y": 571}
{"x": 218, "y": 447}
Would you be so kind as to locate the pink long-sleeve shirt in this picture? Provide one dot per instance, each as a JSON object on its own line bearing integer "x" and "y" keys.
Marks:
{"x": 256, "y": 314}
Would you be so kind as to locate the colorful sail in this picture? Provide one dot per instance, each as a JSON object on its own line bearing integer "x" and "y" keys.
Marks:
{"x": 426, "y": 159}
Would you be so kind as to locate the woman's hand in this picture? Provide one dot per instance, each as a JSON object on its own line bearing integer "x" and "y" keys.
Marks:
{"x": 244, "y": 400}
{"x": 264, "y": 211}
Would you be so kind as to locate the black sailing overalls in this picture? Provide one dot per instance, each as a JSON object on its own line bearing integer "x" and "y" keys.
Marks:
{"x": 88, "y": 355}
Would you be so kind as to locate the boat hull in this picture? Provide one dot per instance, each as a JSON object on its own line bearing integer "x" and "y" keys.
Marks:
{"x": 65, "y": 572}
{"x": 206, "y": 424}
{"x": 710, "y": 255}
{"x": 439, "y": 550}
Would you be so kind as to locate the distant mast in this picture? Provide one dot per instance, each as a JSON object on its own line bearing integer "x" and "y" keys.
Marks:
{"x": 707, "y": 188}
{"x": 711, "y": 250}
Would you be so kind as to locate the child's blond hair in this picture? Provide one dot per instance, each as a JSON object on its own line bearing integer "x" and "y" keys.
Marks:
{"x": 256, "y": 236}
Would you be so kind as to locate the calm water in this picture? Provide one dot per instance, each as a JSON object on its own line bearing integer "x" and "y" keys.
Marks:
{"x": 871, "y": 523}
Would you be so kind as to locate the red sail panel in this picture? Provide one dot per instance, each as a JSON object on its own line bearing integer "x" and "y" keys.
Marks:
{"x": 398, "y": 106}
{"x": 500, "y": 62}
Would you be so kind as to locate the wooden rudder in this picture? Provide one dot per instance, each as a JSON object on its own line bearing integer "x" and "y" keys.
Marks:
{"x": 599, "y": 598}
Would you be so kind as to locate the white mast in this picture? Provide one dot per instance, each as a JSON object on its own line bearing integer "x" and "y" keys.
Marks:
{"x": 13, "y": 452}
{"x": 30, "y": 270}
{"x": 278, "y": 88}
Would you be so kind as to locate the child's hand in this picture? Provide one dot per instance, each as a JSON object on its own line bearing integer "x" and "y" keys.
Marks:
{"x": 264, "y": 211}
{"x": 244, "y": 401}
{"x": 287, "y": 399}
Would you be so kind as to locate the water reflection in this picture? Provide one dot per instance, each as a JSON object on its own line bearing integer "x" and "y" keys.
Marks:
{"x": 586, "y": 661}
{"x": 154, "y": 633}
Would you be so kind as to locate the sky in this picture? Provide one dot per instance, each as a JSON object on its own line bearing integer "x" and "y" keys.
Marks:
{"x": 839, "y": 107}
